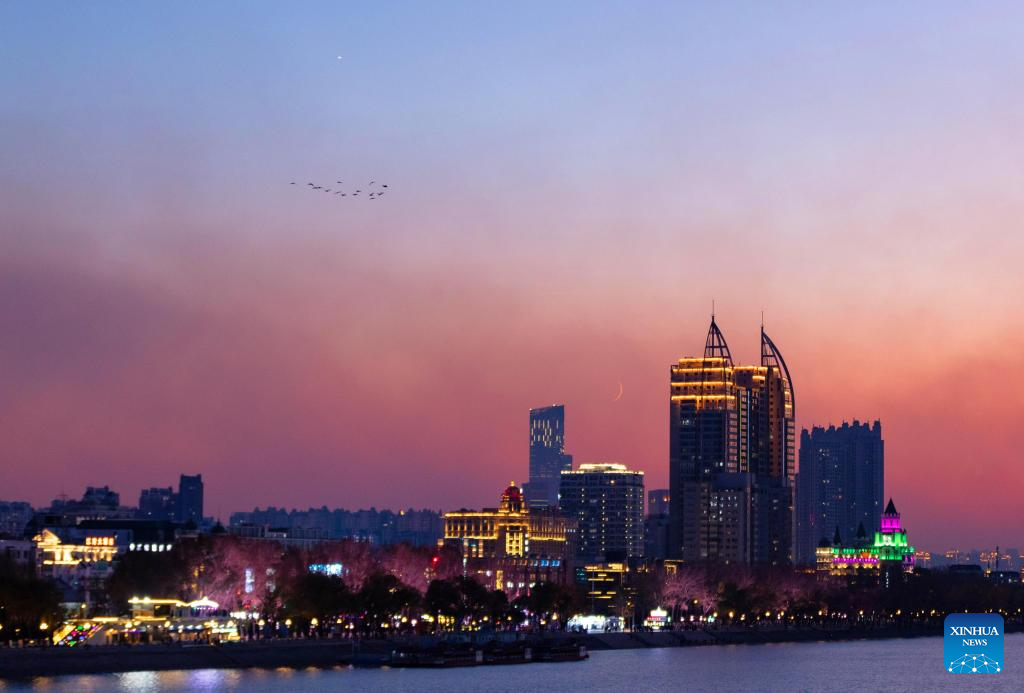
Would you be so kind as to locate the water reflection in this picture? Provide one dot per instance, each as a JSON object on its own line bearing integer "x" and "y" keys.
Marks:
{"x": 890, "y": 665}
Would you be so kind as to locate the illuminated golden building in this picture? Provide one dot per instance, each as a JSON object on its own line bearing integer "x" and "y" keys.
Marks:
{"x": 510, "y": 530}
{"x": 510, "y": 546}
{"x": 52, "y": 553}
{"x": 83, "y": 565}
{"x": 732, "y": 456}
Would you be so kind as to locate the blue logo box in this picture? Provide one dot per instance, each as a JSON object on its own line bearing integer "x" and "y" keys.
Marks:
{"x": 973, "y": 644}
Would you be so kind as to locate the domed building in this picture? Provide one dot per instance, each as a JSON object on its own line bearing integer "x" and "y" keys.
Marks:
{"x": 512, "y": 546}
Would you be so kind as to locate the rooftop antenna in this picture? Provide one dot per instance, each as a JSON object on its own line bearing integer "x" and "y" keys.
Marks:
{"x": 712, "y": 310}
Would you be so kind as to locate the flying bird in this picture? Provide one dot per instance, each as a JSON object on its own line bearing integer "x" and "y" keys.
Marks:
{"x": 373, "y": 195}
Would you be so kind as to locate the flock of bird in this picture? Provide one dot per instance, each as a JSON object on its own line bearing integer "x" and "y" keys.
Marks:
{"x": 381, "y": 188}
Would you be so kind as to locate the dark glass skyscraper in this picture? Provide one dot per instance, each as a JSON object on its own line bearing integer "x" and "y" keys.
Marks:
{"x": 840, "y": 485}
{"x": 732, "y": 456}
{"x": 190, "y": 499}
{"x": 547, "y": 456}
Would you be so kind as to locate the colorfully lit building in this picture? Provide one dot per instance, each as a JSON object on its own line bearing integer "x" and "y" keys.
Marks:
{"x": 512, "y": 546}
{"x": 154, "y": 620}
{"x": 882, "y": 560}
{"x": 607, "y": 502}
{"x": 547, "y": 456}
{"x": 732, "y": 456}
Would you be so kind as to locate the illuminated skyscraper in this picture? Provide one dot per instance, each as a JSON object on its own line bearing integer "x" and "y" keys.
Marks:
{"x": 840, "y": 484}
{"x": 547, "y": 456}
{"x": 607, "y": 501}
{"x": 732, "y": 456}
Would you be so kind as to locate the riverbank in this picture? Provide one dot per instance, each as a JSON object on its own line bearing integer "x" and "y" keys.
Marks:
{"x": 328, "y": 653}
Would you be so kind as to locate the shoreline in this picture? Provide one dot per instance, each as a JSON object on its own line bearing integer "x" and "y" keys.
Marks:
{"x": 30, "y": 663}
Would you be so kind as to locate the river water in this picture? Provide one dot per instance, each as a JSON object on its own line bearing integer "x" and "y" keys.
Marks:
{"x": 872, "y": 665}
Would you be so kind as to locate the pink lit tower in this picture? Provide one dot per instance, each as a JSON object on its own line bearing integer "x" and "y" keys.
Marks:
{"x": 895, "y": 554}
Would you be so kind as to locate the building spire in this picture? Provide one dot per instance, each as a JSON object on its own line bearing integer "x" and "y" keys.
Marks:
{"x": 715, "y": 346}
{"x": 771, "y": 357}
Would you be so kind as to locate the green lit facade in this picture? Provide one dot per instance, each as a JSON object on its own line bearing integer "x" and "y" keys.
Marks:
{"x": 889, "y": 554}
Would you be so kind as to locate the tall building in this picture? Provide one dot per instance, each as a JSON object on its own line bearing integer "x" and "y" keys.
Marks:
{"x": 190, "y": 499}
{"x": 157, "y": 503}
{"x": 658, "y": 501}
{"x": 656, "y": 524}
{"x": 547, "y": 456}
{"x": 607, "y": 501}
{"x": 732, "y": 456}
{"x": 840, "y": 484}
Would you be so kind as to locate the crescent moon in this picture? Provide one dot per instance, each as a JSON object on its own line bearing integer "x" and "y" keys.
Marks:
{"x": 618, "y": 396}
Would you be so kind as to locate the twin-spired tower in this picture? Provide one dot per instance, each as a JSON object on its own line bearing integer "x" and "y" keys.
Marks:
{"x": 732, "y": 456}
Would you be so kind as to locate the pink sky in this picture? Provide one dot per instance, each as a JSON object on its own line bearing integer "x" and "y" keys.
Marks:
{"x": 557, "y": 224}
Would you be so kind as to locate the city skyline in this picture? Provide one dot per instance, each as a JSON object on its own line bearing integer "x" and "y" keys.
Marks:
{"x": 555, "y": 231}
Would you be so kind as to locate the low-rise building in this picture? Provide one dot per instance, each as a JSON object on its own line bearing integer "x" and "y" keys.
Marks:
{"x": 608, "y": 590}
{"x": 883, "y": 560}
